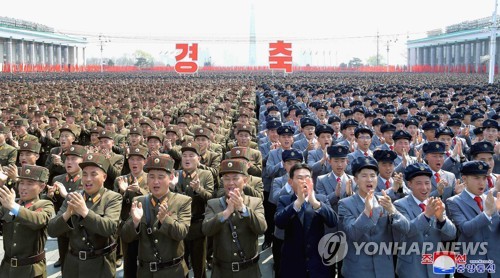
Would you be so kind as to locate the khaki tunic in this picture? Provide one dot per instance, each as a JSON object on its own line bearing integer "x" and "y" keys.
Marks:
{"x": 248, "y": 229}
{"x": 8, "y": 155}
{"x": 101, "y": 224}
{"x": 170, "y": 235}
{"x": 25, "y": 236}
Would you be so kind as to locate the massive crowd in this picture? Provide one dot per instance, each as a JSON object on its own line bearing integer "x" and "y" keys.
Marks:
{"x": 165, "y": 173}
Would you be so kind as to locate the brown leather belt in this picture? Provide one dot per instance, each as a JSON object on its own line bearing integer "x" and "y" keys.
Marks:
{"x": 237, "y": 266}
{"x": 15, "y": 262}
{"x": 85, "y": 255}
{"x": 155, "y": 266}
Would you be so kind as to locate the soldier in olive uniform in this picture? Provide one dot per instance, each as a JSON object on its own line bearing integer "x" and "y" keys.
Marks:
{"x": 8, "y": 154}
{"x": 199, "y": 185}
{"x": 130, "y": 186}
{"x": 254, "y": 186}
{"x": 235, "y": 221}
{"x": 209, "y": 160}
{"x": 21, "y": 126}
{"x": 64, "y": 184}
{"x": 115, "y": 161}
{"x": 90, "y": 220}
{"x": 159, "y": 221}
{"x": 24, "y": 225}
{"x": 253, "y": 156}
{"x": 56, "y": 158}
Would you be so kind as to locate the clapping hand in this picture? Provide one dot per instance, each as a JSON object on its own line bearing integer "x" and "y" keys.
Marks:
{"x": 136, "y": 212}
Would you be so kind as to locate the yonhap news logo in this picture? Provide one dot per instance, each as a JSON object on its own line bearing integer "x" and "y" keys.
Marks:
{"x": 332, "y": 248}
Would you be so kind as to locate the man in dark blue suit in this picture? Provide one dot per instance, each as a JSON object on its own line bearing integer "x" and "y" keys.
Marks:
{"x": 303, "y": 215}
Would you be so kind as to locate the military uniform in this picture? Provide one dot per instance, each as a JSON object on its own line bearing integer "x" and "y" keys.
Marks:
{"x": 229, "y": 259}
{"x": 195, "y": 240}
{"x": 8, "y": 155}
{"x": 92, "y": 239}
{"x": 26, "y": 233}
{"x": 249, "y": 154}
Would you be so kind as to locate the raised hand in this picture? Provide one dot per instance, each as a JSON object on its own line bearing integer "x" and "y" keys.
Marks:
{"x": 386, "y": 202}
{"x": 348, "y": 188}
{"x": 7, "y": 197}
{"x": 61, "y": 189}
{"x": 162, "y": 212}
{"x": 11, "y": 171}
{"x": 459, "y": 186}
{"x": 77, "y": 204}
{"x": 441, "y": 185}
{"x": 368, "y": 203}
{"x": 195, "y": 185}
{"x": 398, "y": 181}
{"x": 122, "y": 184}
{"x": 136, "y": 212}
{"x": 490, "y": 204}
{"x": 174, "y": 181}
{"x": 439, "y": 209}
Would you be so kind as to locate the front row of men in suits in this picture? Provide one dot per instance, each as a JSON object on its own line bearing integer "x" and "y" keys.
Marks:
{"x": 375, "y": 205}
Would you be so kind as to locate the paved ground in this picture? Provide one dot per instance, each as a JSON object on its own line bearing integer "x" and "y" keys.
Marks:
{"x": 266, "y": 260}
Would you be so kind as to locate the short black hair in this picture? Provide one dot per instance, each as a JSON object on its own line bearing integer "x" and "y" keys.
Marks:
{"x": 299, "y": 166}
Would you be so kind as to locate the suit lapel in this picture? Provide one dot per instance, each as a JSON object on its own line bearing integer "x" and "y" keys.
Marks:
{"x": 413, "y": 206}
{"x": 360, "y": 205}
{"x": 469, "y": 201}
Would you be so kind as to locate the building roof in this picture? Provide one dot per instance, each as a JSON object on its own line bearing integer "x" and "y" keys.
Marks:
{"x": 460, "y": 36}
{"x": 40, "y": 36}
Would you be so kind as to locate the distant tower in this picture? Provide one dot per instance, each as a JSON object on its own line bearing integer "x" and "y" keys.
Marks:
{"x": 253, "y": 45}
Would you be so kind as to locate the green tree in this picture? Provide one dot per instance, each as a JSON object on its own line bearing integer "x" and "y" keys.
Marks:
{"x": 355, "y": 62}
{"x": 143, "y": 59}
{"x": 372, "y": 60}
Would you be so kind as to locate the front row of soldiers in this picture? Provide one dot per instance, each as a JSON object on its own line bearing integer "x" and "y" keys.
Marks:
{"x": 157, "y": 219}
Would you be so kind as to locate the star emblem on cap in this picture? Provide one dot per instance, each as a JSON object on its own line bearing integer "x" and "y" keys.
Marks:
{"x": 485, "y": 146}
{"x": 230, "y": 164}
{"x": 136, "y": 150}
{"x": 89, "y": 157}
{"x": 157, "y": 160}
{"x": 200, "y": 131}
{"x": 189, "y": 144}
{"x": 437, "y": 145}
{"x": 25, "y": 144}
{"x": 422, "y": 168}
{"x": 103, "y": 133}
{"x": 388, "y": 155}
{"x": 72, "y": 148}
{"x": 27, "y": 172}
{"x": 480, "y": 167}
{"x": 367, "y": 160}
{"x": 238, "y": 151}
{"x": 292, "y": 153}
{"x": 244, "y": 126}
{"x": 340, "y": 150}
{"x": 135, "y": 129}
{"x": 286, "y": 130}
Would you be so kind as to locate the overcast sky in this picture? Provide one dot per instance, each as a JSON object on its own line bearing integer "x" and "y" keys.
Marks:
{"x": 339, "y": 29}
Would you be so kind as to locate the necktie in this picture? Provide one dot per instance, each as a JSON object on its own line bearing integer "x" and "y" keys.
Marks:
{"x": 366, "y": 154}
{"x": 479, "y": 202}
{"x": 438, "y": 179}
{"x": 336, "y": 135}
{"x": 490, "y": 181}
{"x": 448, "y": 153}
{"x": 338, "y": 180}
{"x": 387, "y": 184}
{"x": 391, "y": 147}
{"x": 454, "y": 141}
{"x": 422, "y": 206}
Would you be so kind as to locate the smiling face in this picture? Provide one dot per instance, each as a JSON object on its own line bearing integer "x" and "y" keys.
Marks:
{"x": 421, "y": 187}
{"x": 93, "y": 179}
{"x": 286, "y": 141}
{"x": 243, "y": 139}
{"x": 386, "y": 169}
{"x": 366, "y": 179}
{"x": 29, "y": 189}
{"x": 158, "y": 181}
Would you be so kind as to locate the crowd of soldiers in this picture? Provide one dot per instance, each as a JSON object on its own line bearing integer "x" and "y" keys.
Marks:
{"x": 167, "y": 174}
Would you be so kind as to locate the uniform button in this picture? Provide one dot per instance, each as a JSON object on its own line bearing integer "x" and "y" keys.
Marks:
{"x": 83, "y": 239}
{"x": 234, "y": 240}
{"x": 14, "y": 244}
{"x": 234, "y": 227}
{"x": 154, "y": 229}
{"x": 235, "y": 254}
{"x": 156, "y": 241}
{"x": 234, "y": 214}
